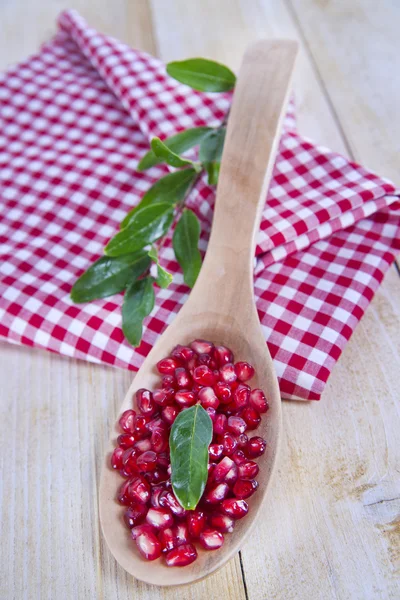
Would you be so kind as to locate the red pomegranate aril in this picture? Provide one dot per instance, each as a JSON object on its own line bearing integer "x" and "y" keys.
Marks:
{"x": 222, "y": 523}
{"x": 156, "y": 491}
{"x": 192, "y": 364}
{"x": 227, "y": 373}
{"x": 237, "y": 509}
{"x": 143, "y": 445}
{"x": 162, "y": 396}
{"x": 207, "y": 398}
{"x": 181, "y": 533}
{"x": 163, "y": 460}
{"x": 220, "y": 424}
{"x": 241, "y": 396}
{"x": 244, "y": 371}
{"x": 129, "y": 458}
{"x": 168, "y": 500}
{"x": 236, "y": 425}
{"x": 204, "y": 359}
{"x": 159, "y": 518}
{"x": 222, "y": 355}
{"x": 211, "y": 539}
{"x": 127, "y": 421}
{"x": 122, "y": 496}
{"x": 148, "y": 545}
{"x": 157, "y": 476}
{"x": 182, "y": 377}
{"x": 252, "y": 417}
{"x": 239, "y": 457}
{"x": 126, "y": 440}
{"x": 159, "y": 440}
{"x": 203, "y": 375}
{"x": 116, "y": 458}
{"x": 223, "y": 392}
{"x": 182, "y": 353}
{"x": 258, "y": 401}
{"x": 144, "y": 399}
{"x": 138, "y": 490}
{"x": 242, "y": 440}
{"x": 181, "y": 556}
{"x": 185, "y": 398}
{"x": 248, "y": 470}
{"x": 156, "y": 423}
{"x": 135, "y": 514}
{"x": 230, "y": 443}
{"x": 167, "y": 539}
{"x": 232, "y": 475}
{"x": 212, "y": 413}
{"x": 218, "y": 493}
{"x": 244, "y": 488}
{"x": 141, "y": 422}
{"x": 167, "y": 366}
{"x": 202, "y": 346}
{"x": 196, "y": 521}
{"x": 215, "y": 451}
{"x": 222, "y": 469}
{"x": 147, "y": 461}
{"x": 169, "y": 414}
{"x": 255, "y": 447}
{"x": 168, "y": 381}
{"x": 141, "y": 529}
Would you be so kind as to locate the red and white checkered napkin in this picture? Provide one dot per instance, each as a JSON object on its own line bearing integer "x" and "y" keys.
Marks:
{"x": 76, "y": 118}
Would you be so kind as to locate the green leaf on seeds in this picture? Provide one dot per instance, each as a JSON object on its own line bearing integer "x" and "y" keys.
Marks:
{"x": 171, "y": 158}
{"x": 185, "y": 242}
{"x": 138, "y": 304}
{"x": 179, "y": 143}
{"x": 146, "y": 226}
{"x": 202, "y": 74}
{"x": 164, "y": 278}
{"x": 171, "y": 188}
{"x": 108, "y": 276}
{"x": 191, "y": 434}
{"x": 212, "y": 145}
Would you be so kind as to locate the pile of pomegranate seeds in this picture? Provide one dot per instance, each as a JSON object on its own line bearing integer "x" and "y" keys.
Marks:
{"x": 200, "y": 372}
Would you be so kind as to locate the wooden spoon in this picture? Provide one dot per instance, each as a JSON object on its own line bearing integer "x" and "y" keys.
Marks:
{"x": 221, "y": 307}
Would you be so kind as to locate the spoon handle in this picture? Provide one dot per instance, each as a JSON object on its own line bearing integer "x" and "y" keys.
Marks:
{"x": 251, "y": 142}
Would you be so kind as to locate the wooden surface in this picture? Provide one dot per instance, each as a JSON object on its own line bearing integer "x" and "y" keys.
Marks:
{"x": 331, "y": 528}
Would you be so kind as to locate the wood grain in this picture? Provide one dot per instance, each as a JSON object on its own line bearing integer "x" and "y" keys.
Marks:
{"x": 332, "y": 527}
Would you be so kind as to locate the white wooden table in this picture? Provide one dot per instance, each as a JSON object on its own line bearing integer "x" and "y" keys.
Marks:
{"x": 331, "y": 528}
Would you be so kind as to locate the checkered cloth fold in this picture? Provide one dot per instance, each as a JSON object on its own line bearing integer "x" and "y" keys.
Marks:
{"x": 76, "y": 118}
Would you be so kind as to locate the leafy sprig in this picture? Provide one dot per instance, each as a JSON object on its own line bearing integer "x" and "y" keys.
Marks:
{"x": 126, "y": 266}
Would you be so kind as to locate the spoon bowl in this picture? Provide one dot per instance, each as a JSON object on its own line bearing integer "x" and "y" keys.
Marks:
{"x": 221, "y": 307}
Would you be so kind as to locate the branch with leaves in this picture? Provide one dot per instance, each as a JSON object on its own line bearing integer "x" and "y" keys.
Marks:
{"x": 128, "y": 256}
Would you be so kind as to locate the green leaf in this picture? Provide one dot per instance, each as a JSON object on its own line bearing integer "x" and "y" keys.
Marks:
{"x": 108, "y": 276}
{"x": 179, "y": 143}
{"x": 190, "y": 436}
{"x": 138, "y": 303}
{"x": 163, "y": 277}
{"x": 212, "y": 145}
{"x": 202, "y": 74}
{"x": 146, "y": 226}
{"x": 171, "y": 188}
{"x": 164, "y": 153}
{"x": 213, "y": 172}
{"x": 185, "y": 242}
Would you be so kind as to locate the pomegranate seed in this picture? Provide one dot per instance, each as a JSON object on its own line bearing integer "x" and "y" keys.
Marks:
{"x": 141, "y": 422}
{"x": 237, "y": 509}
{"x": 125, "y": 440}
{"x": 135, "y": 513}
{"x": 217, "y": 494}
{"x": 227, "y": 373}
{"x": 148, "y": 545}
{"x": 223, "y": 392}
{"x": 223, "y": 523}
{"x": 241, "y": 396}
{"x": 202, "y": 346}
{"x": 220, "y": 424}
{"x": 185, "y": 398}
{"x": 182, "y": 556}
{"x": 155, "y": 496}
{"x": 168, "y": 381}
{"x": 116, "y": 458}
{"x": 244, "y": 371}
{"x": 242, "y": 440}
{"x": 182, "y": 377}
{"x": 204, "y": 359}
{"x": 169, "y": 414}
{"x": 167, "y": 366}
{"x": 222, "y": 355}
{"x": 144, "y": 399}
{"x": 192, "y": 364}
{"x": 248, "y": 470}
{"x": 230, "y": 444}
{"x": 159, "y": 440}
{"x": 129, "y": 458}
{"x": 160, "y": 518}
{"x": 163, "y": 460}
{"x": 147, "y": 461}
{"x": 157, "y": 476}
{"x": 258, "y": 401}
{"x": 141, "y": 529}
{"x": 239, "y": 457}
{"x": 156, "y": 423}
{"x": 252, "y": 417}
{"x": 182, "y": 533}
{"x": 127, "y": 421}
{"x": 244, "y": 488}
{"x": 123, "y": 497}
{"x": 211, "y": 539}
{"x": 168, "y": 500}
{"x": 182, "y": 353}
{"x": 211, "y": 413}
{"x": 208, "y": 398}
{"x": 204, "y": 376}
{"x": 167, "y": 539}
{"x": 196, "y": 521}
{"x": 162, "y": 396}
{"x": 138, "y": 490}
{"x": 255, "y": 447}
{"x": 236, "y": 425}
{"x": 232, "y": 475}
{"x": 215, "y": 451}
{"x": 222, "y": 469}
{"x": 143, "y": 445}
